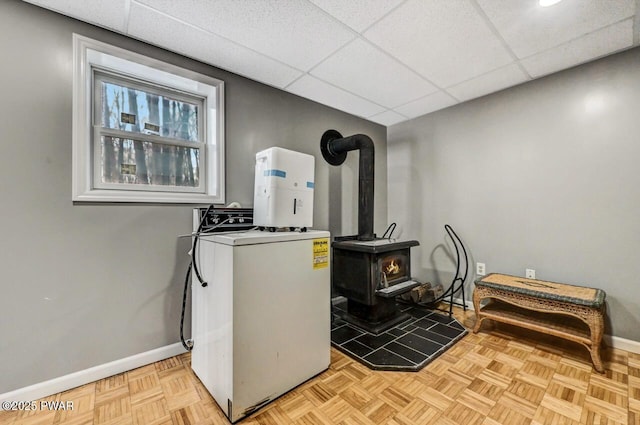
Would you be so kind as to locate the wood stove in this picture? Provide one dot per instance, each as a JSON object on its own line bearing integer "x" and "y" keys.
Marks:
{"x": 370, "y": 272}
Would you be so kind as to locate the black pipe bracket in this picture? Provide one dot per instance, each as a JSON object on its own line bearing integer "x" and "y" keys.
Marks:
{"x": 328, "y": 154}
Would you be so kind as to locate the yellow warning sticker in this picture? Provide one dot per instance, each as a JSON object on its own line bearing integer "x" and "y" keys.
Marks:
{"x": 320, "y": 253}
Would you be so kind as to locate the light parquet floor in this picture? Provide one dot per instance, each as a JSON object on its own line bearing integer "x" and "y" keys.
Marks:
{"x": 501, "y": 375}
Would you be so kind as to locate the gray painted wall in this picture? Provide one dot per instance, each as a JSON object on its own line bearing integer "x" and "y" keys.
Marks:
{"x": 543, "y": 175}
{"x": 83, "y": 285}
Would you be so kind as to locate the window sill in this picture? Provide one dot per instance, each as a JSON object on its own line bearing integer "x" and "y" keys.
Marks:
{"x": 146, "y": 197}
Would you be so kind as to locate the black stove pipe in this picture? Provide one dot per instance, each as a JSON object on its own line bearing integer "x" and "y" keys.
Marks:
{"x": 334, "y": 149}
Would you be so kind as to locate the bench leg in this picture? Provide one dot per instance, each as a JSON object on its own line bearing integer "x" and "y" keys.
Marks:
{"x": 596, "y": 325}
{"x": 476, "y": 307}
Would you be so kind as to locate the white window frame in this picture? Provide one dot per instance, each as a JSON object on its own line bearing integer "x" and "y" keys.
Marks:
{"x": 90, "y": 55}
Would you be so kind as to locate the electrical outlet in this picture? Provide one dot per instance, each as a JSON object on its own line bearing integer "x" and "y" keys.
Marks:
{"x": 530, "y": 274}
{"x": 480, "y": 269}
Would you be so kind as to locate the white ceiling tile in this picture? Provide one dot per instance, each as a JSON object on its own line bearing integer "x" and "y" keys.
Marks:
{"x": 155, "y": 28}
{"x": 490, "y": 82}
{"x": 427, "y": 104}
{"x": 410, "y": 56}
{"x": 358, "y": 14}
{"x": 366, "y": 71}
{"x": 293, "y": 31}
{"x": 597, "y": 44}
{"x": 321, "y": 92}
{"x": 108, "y": 14}
{"x": 529, "y": 28}
{"x": 387, "y": 118}
{"x": 443, "y": 40}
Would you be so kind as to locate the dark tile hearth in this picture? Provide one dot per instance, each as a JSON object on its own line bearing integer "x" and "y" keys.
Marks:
{"x": 408, "y": 346}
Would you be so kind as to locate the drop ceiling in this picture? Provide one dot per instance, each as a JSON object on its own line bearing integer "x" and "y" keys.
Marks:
{"x": 384, "y": 60}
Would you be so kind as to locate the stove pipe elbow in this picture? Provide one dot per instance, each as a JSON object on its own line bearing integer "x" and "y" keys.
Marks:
{"x": 334, "y": 149}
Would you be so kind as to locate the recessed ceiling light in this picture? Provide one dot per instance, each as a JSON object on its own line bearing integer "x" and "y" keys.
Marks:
{"x": 547, "y": 3}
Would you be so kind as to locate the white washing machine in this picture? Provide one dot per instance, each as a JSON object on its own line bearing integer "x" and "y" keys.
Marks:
{"x": 261, "y": 326}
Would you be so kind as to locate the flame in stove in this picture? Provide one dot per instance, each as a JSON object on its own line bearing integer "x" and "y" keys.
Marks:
{"x": 392, "y": 267}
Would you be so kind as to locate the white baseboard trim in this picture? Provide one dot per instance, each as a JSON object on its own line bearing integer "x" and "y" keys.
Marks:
{"x": 611, "y": 341}
{"x": 622, "y": 343}
{"x": 76, "y": 379}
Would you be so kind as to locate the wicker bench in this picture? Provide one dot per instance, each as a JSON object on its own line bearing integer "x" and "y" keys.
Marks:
{"x": 572, "y": 312}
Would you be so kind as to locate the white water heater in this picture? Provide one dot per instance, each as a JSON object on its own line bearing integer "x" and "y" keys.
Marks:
{"x": 283, "y": 191}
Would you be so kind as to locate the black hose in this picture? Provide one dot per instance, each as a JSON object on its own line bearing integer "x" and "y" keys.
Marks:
{"x": 194, "y": 264}
{"x": 195, "y": 244}
{"x": 186, "y": 346}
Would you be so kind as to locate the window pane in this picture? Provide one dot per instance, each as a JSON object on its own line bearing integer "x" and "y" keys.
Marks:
{"x": 146, "y": 163}
{"x": 128, "y": 109}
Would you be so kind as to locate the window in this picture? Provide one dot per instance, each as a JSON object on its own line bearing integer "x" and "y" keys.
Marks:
{"x": 144, "y": 130}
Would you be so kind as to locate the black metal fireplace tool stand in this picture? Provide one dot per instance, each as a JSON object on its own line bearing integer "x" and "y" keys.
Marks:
{"x": 457, "y": 284}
